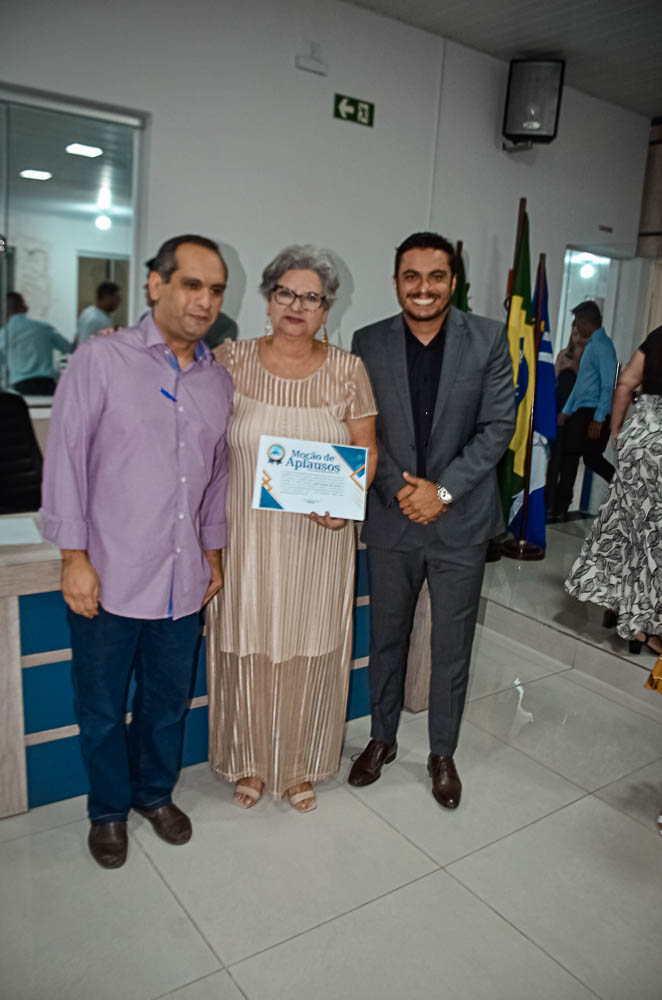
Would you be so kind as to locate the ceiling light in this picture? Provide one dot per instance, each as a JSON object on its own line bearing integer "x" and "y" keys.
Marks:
{"x": 587, "y": 271}
{"x": 102, "y": 222}
{"x": 80, "y": 149}
{"x": 36, "y": 175}
{"x": 103, "y": 201}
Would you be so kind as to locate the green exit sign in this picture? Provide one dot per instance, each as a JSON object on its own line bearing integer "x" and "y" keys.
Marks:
{"x": 351, "y": 109}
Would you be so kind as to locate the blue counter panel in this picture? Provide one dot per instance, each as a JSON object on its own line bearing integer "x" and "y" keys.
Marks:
{"x": 196, "y": 737}
{"x": 361, "y": 642}
{"x": 362, "y": 585}
{"x": 358, "y": 703}
{"x": 55, "y": 771}
{"x": 48, "y": 698}
{"x": 200, "y": 680}
{"x": 43, "y": 623}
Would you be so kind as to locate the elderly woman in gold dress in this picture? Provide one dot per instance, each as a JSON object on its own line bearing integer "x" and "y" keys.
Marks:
{"x": 279, "y": 637}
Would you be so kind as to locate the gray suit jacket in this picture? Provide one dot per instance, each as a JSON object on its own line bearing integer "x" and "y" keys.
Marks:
{"x": 473, "y": 423}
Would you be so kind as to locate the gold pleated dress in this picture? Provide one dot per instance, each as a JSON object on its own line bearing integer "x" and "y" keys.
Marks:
{"x": 279, "y": 634}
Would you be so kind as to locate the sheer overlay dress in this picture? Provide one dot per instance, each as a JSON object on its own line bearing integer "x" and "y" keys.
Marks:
{"x": 279, "y": 634}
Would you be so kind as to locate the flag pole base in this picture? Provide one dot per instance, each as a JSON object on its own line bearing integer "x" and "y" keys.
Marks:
{"x": 522, "y": 550}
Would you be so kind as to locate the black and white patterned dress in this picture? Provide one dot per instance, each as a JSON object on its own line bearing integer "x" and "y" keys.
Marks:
{"x": 620, "y": 563}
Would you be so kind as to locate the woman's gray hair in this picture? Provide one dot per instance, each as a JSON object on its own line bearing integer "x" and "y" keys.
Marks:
{"x": 302, "y": 258}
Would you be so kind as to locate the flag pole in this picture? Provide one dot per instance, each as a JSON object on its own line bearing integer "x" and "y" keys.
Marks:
{"x": 520, "y": 548}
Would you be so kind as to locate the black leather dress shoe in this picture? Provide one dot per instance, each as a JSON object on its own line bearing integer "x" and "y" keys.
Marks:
{"x": 171, "y": 824}
{"x": 446, "y": 784}
{"x": 368, "y": 765}
{"x": 108, "y": 844}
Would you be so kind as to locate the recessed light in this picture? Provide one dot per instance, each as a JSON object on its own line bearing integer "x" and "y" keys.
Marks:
{"x": 80, "y": 149}
{"x": 36, "y": 175}
{"x": 102, "y": 222}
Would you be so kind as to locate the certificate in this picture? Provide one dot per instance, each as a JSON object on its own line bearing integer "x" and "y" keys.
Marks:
{"x": 310, "y": 477}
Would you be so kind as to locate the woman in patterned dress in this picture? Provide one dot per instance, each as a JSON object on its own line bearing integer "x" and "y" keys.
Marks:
{"x": 279, "y": 636}
{"x": 620, "y": 563}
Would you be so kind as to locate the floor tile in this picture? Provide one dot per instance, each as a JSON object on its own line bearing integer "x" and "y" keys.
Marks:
{"x": 617, "y": 679}
{"x": 219, "y": 986}
{"x": 571, "y": 730}
{"x": 502, "y": 791}
{"x": 530, "y": 631}
{"x": 255, "y": 877}
{"x": 431, "y": 939}
{"x": 638, "y": 795}
{"x": 71, "y": 931}
{"x": 584, "y": 884}
{"x": 43, "y": 818}
{"x": 499, "y": 663}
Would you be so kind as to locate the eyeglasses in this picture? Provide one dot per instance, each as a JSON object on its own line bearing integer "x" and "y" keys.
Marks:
{"x": 310, "y": 301}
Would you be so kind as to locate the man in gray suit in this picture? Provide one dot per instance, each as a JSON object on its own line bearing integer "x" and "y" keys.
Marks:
{"x": 443, "y": 381}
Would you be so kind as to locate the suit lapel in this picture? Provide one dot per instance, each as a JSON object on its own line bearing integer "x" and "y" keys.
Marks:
{"x": 400, "y": 372}
{"x": 450, "y": 365}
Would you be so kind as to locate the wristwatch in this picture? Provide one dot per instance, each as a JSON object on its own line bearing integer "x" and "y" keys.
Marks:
{"x": 443, "y": 496}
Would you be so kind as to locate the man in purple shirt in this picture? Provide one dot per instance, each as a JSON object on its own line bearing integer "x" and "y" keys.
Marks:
{"x": 135, "y": 480}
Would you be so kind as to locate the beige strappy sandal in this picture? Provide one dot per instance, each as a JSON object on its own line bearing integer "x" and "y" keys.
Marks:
{"x": 255, "y": 794}
{"x": 299, "y": 798}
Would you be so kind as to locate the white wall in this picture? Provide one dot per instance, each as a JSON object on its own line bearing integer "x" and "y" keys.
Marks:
{"x": 591, "y": 175}
{"x": 243, "y": 147}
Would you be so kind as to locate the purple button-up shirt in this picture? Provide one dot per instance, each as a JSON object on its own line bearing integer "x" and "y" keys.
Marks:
{"x": 136, "y": 469}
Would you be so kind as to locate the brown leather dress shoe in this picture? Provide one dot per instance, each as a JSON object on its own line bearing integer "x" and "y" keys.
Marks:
{"x": 368, "y": 765}
{"x": 108, "y": 844}
{"x": 446, "y": 784}
{"x": 171, "y": 824}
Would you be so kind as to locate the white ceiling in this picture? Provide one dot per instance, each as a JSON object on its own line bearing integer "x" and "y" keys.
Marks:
{"x": 612, "y": 48}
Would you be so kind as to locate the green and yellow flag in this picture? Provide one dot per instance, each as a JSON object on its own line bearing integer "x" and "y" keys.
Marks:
{"x": 460, "y": 297}
{"x": 521, "y": 339}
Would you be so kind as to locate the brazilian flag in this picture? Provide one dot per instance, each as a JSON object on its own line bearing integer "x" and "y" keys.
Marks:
{"x": 521, "y": 339}
{"x": 460, "y": 297}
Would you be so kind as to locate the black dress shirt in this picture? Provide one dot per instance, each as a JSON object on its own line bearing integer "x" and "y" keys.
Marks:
{"x": 424, "y": 371}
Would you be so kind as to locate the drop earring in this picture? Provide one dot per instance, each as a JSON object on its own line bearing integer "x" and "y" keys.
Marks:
{"x": 268, "y": 328}
{"x": 325, "y": 337}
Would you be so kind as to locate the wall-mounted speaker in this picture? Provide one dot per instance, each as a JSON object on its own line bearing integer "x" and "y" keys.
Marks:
{"x": 533, "y": 100}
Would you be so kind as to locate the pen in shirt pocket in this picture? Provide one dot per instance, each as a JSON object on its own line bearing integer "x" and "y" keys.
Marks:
{"x": 169, "y": 395}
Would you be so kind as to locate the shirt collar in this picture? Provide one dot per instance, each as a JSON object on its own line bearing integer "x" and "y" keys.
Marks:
{"x": 152, "y": 337}
{"x": 436, "y": 340}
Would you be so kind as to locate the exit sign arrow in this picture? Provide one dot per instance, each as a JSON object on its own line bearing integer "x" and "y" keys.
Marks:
{"x": 351, "y": 109}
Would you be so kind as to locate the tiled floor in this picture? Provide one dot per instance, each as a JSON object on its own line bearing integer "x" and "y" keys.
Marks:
{"x": 535, "y": 589}
{"x": 546, "y": 884}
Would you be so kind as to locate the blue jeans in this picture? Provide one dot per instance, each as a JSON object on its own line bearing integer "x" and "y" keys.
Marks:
{"x": 136, "y": 765}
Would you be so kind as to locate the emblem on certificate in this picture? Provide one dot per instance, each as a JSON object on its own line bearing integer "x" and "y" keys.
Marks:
{"x": 310, "y": 477}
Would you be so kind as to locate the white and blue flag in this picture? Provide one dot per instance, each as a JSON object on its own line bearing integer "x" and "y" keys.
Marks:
{"x": 544, "y": 426}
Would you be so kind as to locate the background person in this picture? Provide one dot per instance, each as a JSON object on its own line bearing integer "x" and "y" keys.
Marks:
{"x": 565, "y": 370}
{"x": 584, "y": 420}
{"x": 98, "y": 317}
{"x": 620, "y": 564}
{"x": 26, "y": 347}
{"x": 279, "y": 637}
{"x": 134, "y": 494}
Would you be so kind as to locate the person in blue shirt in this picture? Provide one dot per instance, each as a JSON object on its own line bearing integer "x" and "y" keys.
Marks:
{"x": 26, "y": 348}
{"x": 584, "y": 419}
{"x": 96, "y": 318}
